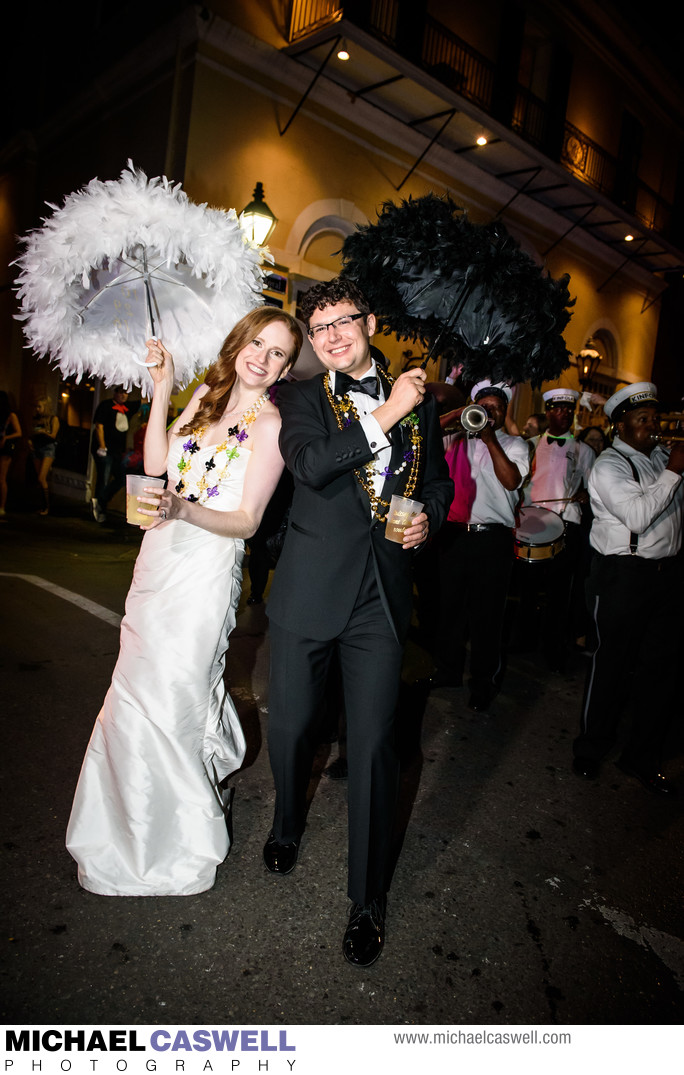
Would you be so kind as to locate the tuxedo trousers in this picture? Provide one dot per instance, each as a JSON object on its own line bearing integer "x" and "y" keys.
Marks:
{"x": 370, "y": 666}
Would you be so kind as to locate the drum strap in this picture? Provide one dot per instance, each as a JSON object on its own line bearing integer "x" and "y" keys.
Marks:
{"x": 633, "y": 538}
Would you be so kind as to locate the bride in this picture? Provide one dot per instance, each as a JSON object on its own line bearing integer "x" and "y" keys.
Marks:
{"x": 149, "y": 816}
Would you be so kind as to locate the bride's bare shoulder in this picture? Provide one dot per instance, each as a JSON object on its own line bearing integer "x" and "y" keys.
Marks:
{"x": 268, "y": 421}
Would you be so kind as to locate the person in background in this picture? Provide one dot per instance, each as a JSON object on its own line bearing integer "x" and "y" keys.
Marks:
{"x": 595, "y": 438}
{"x": 559, "y": 476}
{"x": 10, "y": 435}
{"x": 535, "y": 425}
{"x": 635, "y": 590}
{"x": 43, "y": 446}
{"x": 108, "y": 447}
{"x": 133, "y": 462}
{"x": 453, "y": 374}
{"x": 586, "y": 641}
{"x": 475, "y": 548}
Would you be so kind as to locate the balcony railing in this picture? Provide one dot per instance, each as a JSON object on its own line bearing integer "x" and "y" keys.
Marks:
{"x": 529, "y": 117}
{"x": 584, "y": 158}
{"x": 306, "y": 16}
{"x": 455, "y": 63}
{"x": 443, "y": 54}
{"x": 448, "y": 58}
{"x": 590, "y": 162}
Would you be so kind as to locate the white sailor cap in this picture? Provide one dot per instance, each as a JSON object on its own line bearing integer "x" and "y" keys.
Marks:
{"x": 640, "y": 394}
{"x": 499, "y": 388}
{"x": 554, "y": 396}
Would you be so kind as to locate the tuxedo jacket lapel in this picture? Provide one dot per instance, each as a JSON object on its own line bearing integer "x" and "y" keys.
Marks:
{"x": 331, "y": 422}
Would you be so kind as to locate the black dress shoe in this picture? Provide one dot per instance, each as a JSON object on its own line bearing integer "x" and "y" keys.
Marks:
{"x": 655, "y": 782}
{"x": 589, "y": 768}
{"x": 365, "y": 933}
{"x": 280, "y": 858}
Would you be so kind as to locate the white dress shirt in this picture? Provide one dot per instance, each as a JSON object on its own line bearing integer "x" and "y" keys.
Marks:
{"x": 558, "y": 472}
{"x": 493, "y": 504}
{"x": 651, "y": 507}
{"x": 378, "y": 441}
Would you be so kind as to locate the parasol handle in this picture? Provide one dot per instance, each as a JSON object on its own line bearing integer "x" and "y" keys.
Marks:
{"x": 150, "y": 313}
{"x": 148, "y": 299}
{"x": 139, "y": 361}
{"x": 454, "y": 314}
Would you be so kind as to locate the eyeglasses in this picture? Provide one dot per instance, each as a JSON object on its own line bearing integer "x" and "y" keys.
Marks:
{"x": 316, "y": 332}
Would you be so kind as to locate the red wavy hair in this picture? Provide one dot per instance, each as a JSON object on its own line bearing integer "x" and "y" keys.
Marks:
{"x": 220, "y": 377}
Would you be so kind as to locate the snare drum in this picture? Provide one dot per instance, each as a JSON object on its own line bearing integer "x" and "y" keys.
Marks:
{"x": 540, "y": 534}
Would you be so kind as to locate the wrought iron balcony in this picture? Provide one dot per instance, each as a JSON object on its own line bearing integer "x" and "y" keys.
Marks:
{"x": 453, "y": 62}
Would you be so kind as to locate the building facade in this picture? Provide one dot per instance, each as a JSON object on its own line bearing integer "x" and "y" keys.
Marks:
{"x": 566, "y": 123}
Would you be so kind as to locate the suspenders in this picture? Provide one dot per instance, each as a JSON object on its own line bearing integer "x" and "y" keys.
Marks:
{"x": 633, "y": 538}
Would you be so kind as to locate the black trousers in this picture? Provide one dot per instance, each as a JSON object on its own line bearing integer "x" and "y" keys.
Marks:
{"x": 474, "y": 569}
{"x": 557, "y": 585}
{"x": 636, "y": 607}
{"x": 110, "y": 476}
{"x": 370, "y": 666}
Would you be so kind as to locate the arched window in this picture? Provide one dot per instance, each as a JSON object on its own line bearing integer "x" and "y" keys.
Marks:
{"x": 607, "y": 348}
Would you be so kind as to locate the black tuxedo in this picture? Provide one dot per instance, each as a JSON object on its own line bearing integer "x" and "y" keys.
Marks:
{"x": 341, "y": 584}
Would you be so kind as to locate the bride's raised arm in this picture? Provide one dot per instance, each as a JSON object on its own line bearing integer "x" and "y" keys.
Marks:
{"x": 157, "y": 438}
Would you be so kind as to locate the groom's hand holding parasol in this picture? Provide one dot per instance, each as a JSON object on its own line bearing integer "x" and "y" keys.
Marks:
{"x": 407, "y": 392}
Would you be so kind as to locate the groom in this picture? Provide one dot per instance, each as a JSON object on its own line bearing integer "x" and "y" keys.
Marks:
{"x": 341, "y": 586}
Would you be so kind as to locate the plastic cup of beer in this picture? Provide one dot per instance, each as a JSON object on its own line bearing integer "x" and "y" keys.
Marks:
{"x": 400, "y": 515}
{"x": 136, "y": 484}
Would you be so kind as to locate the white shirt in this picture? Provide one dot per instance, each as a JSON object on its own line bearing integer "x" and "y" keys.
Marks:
{"x": 651, "y": 508}
{"x": 492, "y": 502}
{"x": 558, "y": 472}
{"x": 377, "y": 439}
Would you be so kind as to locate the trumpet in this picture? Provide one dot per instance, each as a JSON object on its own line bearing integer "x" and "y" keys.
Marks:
{"x": 676, "y": 435}
{"x": 473, "y": 419}
{"x": 466, "y": 421}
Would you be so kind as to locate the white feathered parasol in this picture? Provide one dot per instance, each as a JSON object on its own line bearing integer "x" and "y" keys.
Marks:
{"x": 131, "y": 258}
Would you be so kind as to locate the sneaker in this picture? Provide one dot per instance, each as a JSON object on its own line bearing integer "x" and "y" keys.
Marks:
{"x": 98, "y": 515}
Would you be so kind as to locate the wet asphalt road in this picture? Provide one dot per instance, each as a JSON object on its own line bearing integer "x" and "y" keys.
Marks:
{"x": 522, "y": 895}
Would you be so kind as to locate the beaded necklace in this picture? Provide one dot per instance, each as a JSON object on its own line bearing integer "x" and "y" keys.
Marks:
{"x": 192, "y": 445}
{"x": 345, "y": 413}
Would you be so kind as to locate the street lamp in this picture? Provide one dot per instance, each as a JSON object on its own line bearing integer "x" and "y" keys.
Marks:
{"x": 257, "y": 219}
{"x": 587, "y": 362}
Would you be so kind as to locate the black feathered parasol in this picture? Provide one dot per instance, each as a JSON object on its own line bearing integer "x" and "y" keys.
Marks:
{"x": 467, "y": 291}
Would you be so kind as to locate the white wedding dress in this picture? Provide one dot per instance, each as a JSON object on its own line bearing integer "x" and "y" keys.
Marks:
{"x": 149, "y": 817}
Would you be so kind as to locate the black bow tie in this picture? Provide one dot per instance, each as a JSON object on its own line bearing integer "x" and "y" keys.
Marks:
{"x": 345, "y": 383}
{"x": 556, "y": 440}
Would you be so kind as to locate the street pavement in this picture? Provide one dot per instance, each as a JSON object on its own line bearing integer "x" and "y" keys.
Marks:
{"x": 521, "y": 895}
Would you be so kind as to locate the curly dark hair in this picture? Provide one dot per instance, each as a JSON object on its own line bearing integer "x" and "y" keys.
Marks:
{"x": 329, "y": 293}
